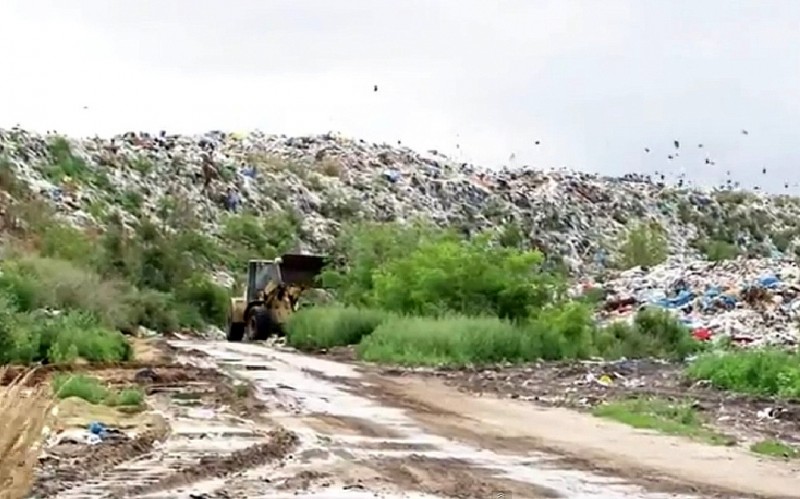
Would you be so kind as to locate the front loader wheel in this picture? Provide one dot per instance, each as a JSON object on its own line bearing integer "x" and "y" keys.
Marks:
{"x": 235, "y": 330}
{"x": 261, "y": 325}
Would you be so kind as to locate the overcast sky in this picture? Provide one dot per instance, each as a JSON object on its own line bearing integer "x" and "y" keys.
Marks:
{"x": 595, "y": 81}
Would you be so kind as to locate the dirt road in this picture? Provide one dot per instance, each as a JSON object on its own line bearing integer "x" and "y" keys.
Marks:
{"x": 337, "y": 430}
{"x": 361, "y": 433}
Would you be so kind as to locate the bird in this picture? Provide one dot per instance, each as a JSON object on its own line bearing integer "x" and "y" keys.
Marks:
{"x": 375, "y": 88}
{"x": 764, "y": 171}
{"x": 669, "y": 157}
{"x": 700, "y": 145}
{"x": 745, "y": 132}
{"x": 708, "y": 161}
{"x": 646, "y": 149}
{"x": 677, "y": 144}
{"x": 537, "y": 142}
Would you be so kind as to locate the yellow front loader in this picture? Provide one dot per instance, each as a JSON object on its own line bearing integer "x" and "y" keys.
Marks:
{"x": 272, "y": 294}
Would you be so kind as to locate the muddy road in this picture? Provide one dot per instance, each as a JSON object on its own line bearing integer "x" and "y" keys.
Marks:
{"x": 338, "y": 430}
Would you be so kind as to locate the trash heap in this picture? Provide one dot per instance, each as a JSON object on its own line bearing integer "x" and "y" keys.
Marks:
{"x": 331, "y": 179}
{"x": 749, "y": 301}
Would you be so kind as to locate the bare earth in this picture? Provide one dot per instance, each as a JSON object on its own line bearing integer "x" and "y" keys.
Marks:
{"x": 312, "y": 427}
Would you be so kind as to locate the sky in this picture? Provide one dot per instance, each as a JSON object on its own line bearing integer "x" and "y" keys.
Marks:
{"x": 595, "y": 82}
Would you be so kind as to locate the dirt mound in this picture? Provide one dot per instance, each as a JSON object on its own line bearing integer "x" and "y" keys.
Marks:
{"x": 279, "y": 445}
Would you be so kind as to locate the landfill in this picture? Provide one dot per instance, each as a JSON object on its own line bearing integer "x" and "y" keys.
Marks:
{"x": 330, "y": 179}
{"x": 751, "y": 302}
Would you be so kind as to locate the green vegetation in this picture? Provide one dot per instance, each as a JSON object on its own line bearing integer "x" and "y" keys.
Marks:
{"x": 775, "y": 448}
{"x": 758, "y": 372}
{"x": 94, "y": 391}
{"x": 419, "y": 295}
{"x": 672, "y": 418}
{"x": 645, "y": 245}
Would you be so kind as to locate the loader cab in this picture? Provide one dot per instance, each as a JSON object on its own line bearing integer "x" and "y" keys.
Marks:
{"x": 259, "y": 273}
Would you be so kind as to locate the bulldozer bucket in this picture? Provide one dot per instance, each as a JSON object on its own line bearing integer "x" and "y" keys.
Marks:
{"x": 301, "y": 270}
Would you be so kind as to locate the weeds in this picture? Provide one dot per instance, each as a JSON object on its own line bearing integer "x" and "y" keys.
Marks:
{"x": 316, "y": 328}
{"x": 767, "y": 372}
{"x": 775, "y": 448}
{"x": 95, "y": 392}
{"x": 662, "y": 416}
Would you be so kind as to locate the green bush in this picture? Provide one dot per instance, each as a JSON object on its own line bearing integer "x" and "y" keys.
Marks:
{"x": 768, "y": 372}
{"x": 321, "y": 327}
{"x": 34, "y": 283}
{"x": 367, "y": 247}
{"x": 471, "y": 277}
{"x": 654, "y": 333}
{"x": 645, "y": 245}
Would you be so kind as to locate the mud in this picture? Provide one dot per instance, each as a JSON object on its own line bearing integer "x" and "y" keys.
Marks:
{"x": 67, "y": 466}
{"x": 279, "y": 445}
{"x": 453, "y": 478}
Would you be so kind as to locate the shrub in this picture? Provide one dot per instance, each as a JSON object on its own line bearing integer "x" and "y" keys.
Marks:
{"x": 34, "y": 282}
{"x": 759, "y": 372}
{"x": 645, "y": 245}
{"x": 369, "y": 246}
{"x": 654, "y": 333}
{"x": 468, "y": 277}
{"x": 321, "y": 327}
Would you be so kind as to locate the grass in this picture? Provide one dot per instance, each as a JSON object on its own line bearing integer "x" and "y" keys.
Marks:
{"x": 767, "y": 372}
{"x": 563, "y": 332}
{"x": 24, "y": 413}
{"x": 95, "y": 392}
{"x": 662, "y": 416}
{"x": 774, "y": 448}
{"x": 317, "y": 328}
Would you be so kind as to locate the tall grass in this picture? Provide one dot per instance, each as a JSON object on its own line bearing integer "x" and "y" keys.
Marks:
{"x": 563, "y": 332}
{"x": 316, "y": 328}
{"x": 23, "y": 415}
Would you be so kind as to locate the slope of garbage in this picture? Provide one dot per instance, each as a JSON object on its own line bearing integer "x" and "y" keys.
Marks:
{"x": 751, "y": 302}
{"x": 331, "y": 179}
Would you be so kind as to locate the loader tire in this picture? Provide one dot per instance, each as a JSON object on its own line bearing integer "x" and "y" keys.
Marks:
{"x": 235, "y": 330}
{"x": 262, "y": 325}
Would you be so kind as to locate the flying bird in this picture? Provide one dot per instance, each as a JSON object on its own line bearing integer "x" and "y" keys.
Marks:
{"x": 646, "y": 149}
{"x": 375, "y": 88}
{"x": 537, "y": 142}
{"x": 745, "y": 132}
{"x": 677, "y": 144}
{"x": 708, "y": 161}
{"x": 700, "y": 145}
{"x": 764, "y": 171}
{"x": 669, "y": 157}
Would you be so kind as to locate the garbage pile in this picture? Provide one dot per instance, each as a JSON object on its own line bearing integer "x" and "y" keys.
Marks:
{"x": 749, "y": 301}
{"x": 331, "y": 179}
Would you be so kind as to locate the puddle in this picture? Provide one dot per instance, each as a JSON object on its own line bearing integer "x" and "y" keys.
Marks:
{"x": 287, "y": 376}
